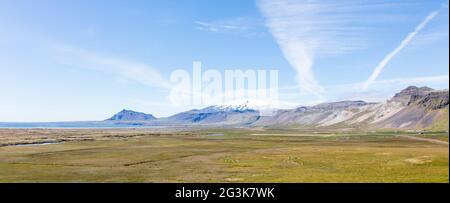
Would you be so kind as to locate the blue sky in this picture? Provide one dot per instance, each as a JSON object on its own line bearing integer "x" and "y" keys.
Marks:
{"x": 77, "y": 60}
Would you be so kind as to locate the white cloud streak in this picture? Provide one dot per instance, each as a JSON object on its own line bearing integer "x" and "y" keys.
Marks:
{"x": 243, "y": 26}
{"x": 231, "y": 25}
{"x": 306, "y": 29}
{"x": 397, "y": 50}
{"x": 123, "y": 68}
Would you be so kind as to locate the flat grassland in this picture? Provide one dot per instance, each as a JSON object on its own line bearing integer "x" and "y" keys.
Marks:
{"x": 220, "y": 155}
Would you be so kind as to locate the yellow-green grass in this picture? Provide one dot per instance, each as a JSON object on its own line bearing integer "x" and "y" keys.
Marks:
{"x": 230, "y": 156}
{"x": 442, "y": 122}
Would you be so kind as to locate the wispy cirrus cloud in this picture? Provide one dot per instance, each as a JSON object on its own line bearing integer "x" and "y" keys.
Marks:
{"x": 405, "y": 42}
{"x": 120, "y": 67}
{"x": 307, "y": 29}
{"x": 241, "y": 25}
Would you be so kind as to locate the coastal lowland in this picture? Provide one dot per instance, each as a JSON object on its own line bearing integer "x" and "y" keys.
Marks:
{"x": 221, "y": 155}
{"x": 402, "y": 140}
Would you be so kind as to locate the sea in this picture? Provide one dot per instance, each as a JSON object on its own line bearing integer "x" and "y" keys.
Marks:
{"x": 74, "y": 125}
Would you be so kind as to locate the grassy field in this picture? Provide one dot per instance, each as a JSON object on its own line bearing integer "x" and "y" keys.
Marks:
{"x": 139, "y": 155}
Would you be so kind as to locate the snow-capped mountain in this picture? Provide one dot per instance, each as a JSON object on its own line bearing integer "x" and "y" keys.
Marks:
{"x": 236, "y": 112}
{"x": 243, "y": 105}
{"x": 265, "y": 108}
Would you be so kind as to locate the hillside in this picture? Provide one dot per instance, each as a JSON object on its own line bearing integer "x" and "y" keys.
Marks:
{"x": 412, "y": 108}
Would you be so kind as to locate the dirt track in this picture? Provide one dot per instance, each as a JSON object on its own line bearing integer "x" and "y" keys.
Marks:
{"x": 424, "y": 139}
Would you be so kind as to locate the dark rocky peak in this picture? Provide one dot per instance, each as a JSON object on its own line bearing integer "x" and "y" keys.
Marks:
{"x": 412, "y": 91}
{"x": 125, "y": 115}
{"x": 433, "y": 100}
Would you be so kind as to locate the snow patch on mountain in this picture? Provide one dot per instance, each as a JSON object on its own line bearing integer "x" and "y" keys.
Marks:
{"x": 265, "y": 108}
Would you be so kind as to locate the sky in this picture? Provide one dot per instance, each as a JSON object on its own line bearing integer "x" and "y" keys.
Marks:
{"x": 88, "y": 59}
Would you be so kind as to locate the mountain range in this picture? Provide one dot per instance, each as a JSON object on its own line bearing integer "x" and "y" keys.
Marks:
{"x": 412, "y": 108}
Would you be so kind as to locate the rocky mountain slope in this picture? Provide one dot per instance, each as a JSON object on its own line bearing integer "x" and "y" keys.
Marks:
{"x": 412, "y": 108}
{"x": 423, "y": 110}
{"x": 223, "y": 115}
